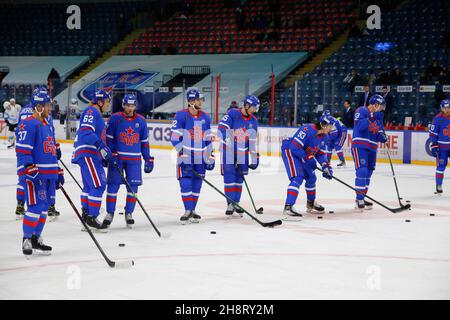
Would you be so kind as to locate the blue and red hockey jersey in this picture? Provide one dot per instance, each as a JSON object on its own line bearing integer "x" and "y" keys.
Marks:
{"x": 90, "y": 135}
{"x": 440, "y": 131}
{"x": 367, "y": 129}
{"x": 36, "y": 146}
{"x": 238, "y": 135}
{"x": 306, "y": 143}
{"x": 192, "y": 135}
{"x": 128, "y": 137}
{"x": 338, "y": 134}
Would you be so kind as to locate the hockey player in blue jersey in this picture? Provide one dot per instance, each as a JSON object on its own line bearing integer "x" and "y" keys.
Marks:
{"x": 127, "y": 137}
{"x": 368, "y": 131}
{"x": 192, "y": 138}
{"x": 37, "y": 166}
{"x": 337, "y": 138}
{"x": 91, "y": 153}
{"x": 300, "y": 155}
{"x": 440, "y": 142}
{"x": 26, "y": 112}
{"x": 238, "y": 134}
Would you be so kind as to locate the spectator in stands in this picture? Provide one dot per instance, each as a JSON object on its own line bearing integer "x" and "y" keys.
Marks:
{"x": 365, "y": 97}
{"x": 354, "y": 32}
{"x": 352, "y": 79}
{"x": 371, "y": 78}
{"x": 396, "y": 76}
{"x": 424, "y": 79}
{"x": 155, "y": 49}
{"x": 434, "y": 69}
{"x": 172, "y": 49}
{"x": 348, "y": 114}
{"x": 305, "y": 22}
{"x": 389, "y": 103}
{"x": 383, "y": 78}
{"x": 240, "y": 18}
{"x": 273, "y": 35}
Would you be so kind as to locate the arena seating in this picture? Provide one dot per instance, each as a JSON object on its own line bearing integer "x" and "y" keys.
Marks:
{"x": 31, "y": 29}
{"x": 417, "y": 42}
{"x": 212, "y": 28}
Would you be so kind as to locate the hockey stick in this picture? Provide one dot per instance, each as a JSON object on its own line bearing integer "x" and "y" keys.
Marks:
{"x": 112, "y": 264}
{"x": 407, "y": 206}
{"x": 67, "y": 169}
{"x": 261, "y": 209}
{"x": 264, "y": 224}
{"x": 160, "y": 234}
{"x": 394, "y": 210}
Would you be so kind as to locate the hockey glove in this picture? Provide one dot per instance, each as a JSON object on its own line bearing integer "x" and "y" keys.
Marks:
{"x": 114, "y": 159}
{"x": 435, "y": 150}
{"x": 148, "y": 166}
{"x": 327, "y": 171}
{"x": 60, "y": 181}
{"x": 210, "y": 162}
{"x": 58, "y": 152}
{"x": 104, "y": 150}
{"x": 32, "y": 173}
{"x": 382, "y": 137}
{"x": 254, "y": 160}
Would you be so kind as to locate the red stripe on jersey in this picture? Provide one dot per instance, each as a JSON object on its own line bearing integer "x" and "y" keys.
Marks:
{"x": 23, "y": 151}
{"x": 94, "y": 204}
{"x": 93, "y": 172}
{"x": 187, "y": 199}
{"x": 131, "y": 199}
{"x": 29, "y": 223}
{"x": 86, "y": 151}
{"x": 293, "y": 193}
{"x": 234, "y": 189}
{"x": 31, "y": 197}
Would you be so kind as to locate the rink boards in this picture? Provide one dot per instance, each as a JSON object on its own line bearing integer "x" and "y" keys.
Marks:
{"x": 409, "y": 147}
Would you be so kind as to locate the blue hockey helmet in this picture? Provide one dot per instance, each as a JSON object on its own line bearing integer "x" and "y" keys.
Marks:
{"x": 100, "y": 95}
{"x": 192, "y": 94}
{"x": 445, "y": 104}
{"x": 376, "y": 98}
{"x": 40, "y": 89}
{"x": 40, "y": 99}
{"x": 252, "y": 101}
{"x": 326, "y": 119}
{"x": 129, "y": 98}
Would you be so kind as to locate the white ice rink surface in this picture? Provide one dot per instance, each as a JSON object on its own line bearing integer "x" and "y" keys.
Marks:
{"x": 370, "y": 255}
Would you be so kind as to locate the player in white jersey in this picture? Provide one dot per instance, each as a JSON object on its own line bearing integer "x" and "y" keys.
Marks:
{"x": 12, "y": 111}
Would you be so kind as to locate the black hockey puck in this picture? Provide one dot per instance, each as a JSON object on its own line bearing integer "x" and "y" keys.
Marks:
{"x": 407, "y": 220}
{"x": 432, "y": 214}
{"x": 330, "y": 211}
{"x": 121, "y": 244}
{"x": 319, "y": 217}
{"x": 213, "y": 232}
{"x": 408, "y": 201}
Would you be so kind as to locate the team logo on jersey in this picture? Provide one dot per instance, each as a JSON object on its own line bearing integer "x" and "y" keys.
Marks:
{"x": 446, "y": 131}
{"x": 42, "y": 194}
{"x": 129, "y": 137}
{"x": 362, "y": 161}
{"x": 373, "y": 127}
{"x": 22, "y": 127}
{"x": 137, "y": 125}
{"x": 197, "y": 133}
{"x": 49, "y": 146}
{"x": 240, "y": 135}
